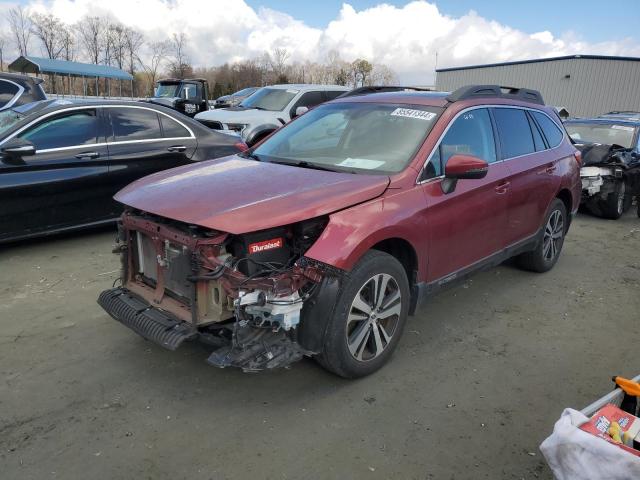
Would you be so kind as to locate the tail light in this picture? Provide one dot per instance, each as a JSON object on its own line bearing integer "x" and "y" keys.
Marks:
{"x": 578, "y": 156}
{"x": 241, "y": 146}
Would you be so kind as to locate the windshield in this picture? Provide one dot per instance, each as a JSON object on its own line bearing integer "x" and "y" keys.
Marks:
{"x": 607, "y": 133}
{"x": 168, "y": 90}
{"x": 273, "y": 99}
{"x": 244, "y": 92}
{"x": 8, "y": 118}
{"x": 360, "y": 137}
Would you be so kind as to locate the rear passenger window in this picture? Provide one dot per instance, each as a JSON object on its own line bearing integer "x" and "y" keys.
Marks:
{"x": 515, "y": 134}
{"x": 537, "y": 136}
{"x": 470, "y": 134}
{"x": 134, "y": 124}
{"x": 549, "y": 128}
{"x": 172, "y": 129}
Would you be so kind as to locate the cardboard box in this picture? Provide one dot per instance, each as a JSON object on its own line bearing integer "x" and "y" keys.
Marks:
{"x": 629, "y": 427}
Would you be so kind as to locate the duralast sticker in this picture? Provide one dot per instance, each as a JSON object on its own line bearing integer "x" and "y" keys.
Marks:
{"x": 411, "y": 113}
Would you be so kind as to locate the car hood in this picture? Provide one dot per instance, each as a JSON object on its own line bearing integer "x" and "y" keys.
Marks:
{"x": 238, "y": 195}
{"x": 237, "y": 115}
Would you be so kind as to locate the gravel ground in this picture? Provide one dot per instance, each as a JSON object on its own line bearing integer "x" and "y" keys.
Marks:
{"x": 481, "y": 375}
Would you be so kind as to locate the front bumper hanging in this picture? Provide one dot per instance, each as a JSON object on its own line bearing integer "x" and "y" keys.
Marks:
{"x": 155, "y": 325}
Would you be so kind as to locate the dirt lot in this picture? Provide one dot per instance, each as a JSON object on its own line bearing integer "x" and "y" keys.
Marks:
{"x": 479, "y": 379}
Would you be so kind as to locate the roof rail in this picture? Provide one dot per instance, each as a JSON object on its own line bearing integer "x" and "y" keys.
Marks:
{"x": 380, "y": 89}
{"x": 475, "y": 91}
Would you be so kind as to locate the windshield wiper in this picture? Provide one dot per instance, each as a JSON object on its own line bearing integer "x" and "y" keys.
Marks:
{"x": 314, "y": 166}
{"x": 249, "y": 154}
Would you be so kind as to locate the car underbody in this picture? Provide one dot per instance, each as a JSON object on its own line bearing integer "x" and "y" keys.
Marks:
{"x": 242, "y": 294}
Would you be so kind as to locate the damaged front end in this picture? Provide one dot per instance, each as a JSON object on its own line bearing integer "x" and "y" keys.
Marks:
{"x": 242, "y": 294}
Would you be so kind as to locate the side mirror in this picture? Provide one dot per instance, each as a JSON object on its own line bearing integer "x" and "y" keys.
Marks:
{"x": 301, "y": 111}
{"x": 17, "y": 148}
{"x": 462, "y": 167}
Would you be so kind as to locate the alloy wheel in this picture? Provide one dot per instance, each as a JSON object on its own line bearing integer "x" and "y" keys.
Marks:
{"x": 373, "y": 317}
{"x": 553, "y": 232}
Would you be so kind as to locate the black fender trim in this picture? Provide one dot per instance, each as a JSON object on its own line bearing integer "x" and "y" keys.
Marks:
{"x": 316, "y": 313}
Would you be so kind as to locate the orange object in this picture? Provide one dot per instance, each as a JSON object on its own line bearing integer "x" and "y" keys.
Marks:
{"x": 630, "y": 387}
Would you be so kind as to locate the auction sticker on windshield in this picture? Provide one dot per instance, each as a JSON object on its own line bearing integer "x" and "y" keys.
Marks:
{"x": 411, "y": 113}
{"x": 622, "y": 127}
{"x": 364, "y": 163}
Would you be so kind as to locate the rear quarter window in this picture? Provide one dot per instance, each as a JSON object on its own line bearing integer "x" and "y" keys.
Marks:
{"x": 551, "y": 131}
{"x": 7, "y": 92}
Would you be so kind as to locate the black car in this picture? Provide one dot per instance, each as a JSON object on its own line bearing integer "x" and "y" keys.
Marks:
{"x": 61, "y": 162}
{"x": 16, "y": 90}
{"x": 234, "y": 99}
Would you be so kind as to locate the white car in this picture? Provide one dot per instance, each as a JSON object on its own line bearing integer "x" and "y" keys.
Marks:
{"x": 268, "y": 109}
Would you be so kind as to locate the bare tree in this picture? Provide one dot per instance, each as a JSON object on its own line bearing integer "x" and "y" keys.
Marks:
{"x": 68, "y": 42}
{"x": 50, "y": 31}
{"x": 20, "y": 26}
{"x": 180, "y": 63}
{"x": 3, "y": 41}
{"x": 91, "y": 33}
{"x": 279, "y": 59}
{"x": 158, "y": 53}
{"x": 134, "y": 41}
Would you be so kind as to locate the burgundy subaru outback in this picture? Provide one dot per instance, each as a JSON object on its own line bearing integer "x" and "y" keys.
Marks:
{"x": 321, "y": 240}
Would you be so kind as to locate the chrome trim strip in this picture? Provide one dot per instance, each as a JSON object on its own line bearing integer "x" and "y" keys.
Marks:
{"x": 15, "y": 98}
{"x": 476, "y": 107}
{"x": 89, "y": 107}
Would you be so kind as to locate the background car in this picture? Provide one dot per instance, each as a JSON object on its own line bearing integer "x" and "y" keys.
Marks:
{"x": 61, "y": 162}
{"x": 610, "y": 173}
{"x": 16, "y": 90}
{"x": 235, "y": 98}
{"x": 268, "y": 109}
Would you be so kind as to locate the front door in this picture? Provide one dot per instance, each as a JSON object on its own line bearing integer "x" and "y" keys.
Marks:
{"x": 466, "y": 225}
{"x": 64, "y": 183}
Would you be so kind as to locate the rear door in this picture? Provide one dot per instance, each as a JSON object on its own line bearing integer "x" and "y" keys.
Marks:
{"x": 466, "y": 225}
{"x": 65, "y": 183}
{"x": 531, "y": 165}
{"x": 143, "y": 141}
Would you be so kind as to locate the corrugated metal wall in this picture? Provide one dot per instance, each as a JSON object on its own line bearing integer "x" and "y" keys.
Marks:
{"x": 595, "y": 86}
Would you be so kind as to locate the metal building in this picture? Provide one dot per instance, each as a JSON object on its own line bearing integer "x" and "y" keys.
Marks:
{"x": 586, "y": 85}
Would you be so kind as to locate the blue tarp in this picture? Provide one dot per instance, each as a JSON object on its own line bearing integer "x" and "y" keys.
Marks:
{"x": 39, "y": 65}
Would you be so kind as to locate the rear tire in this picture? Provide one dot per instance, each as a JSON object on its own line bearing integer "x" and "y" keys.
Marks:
{"x": 549, "y": 245}
{"x": 614, "y": 206}
{"x": 368, "y": 319}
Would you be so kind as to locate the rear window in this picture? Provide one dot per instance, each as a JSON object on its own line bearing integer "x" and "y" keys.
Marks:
{"x": 549, "y": 128}
{"x": 515, "y": 135}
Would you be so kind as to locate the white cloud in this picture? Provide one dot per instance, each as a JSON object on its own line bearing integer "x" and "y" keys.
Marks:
{"x": 404, "y": 38}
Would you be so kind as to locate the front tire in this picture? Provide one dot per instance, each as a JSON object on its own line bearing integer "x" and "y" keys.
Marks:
{"x": 614, "y": 206}
{"x": 369, "y": 317}
{"x": 549, "y": 246}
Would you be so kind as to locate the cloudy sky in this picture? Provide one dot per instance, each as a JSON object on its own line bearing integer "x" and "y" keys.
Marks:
{"x": 403, "y": 35}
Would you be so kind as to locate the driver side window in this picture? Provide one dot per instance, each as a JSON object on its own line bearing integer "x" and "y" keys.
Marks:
{"x": 470, "y": 134}
{"x": 76, "y": 128}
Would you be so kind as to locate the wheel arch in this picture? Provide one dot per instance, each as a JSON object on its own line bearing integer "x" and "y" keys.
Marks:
{"x": 565, "y": 196}
{"x": 403, "y": 251}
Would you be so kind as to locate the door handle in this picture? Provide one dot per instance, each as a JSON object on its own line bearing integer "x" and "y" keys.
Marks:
{"x": 550, "y": 169}
{"x": 502, "y": 188}
{"x": 87, "y": 155}
{"x": 177, "y": 148}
